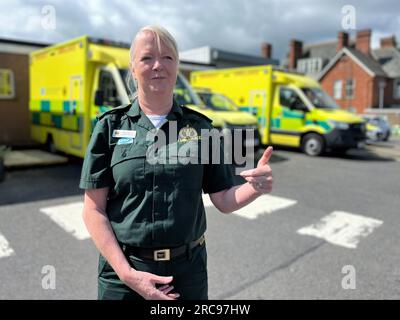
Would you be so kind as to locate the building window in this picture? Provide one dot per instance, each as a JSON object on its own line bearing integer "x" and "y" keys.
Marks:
{"x": 309, "y": 65}
{"x": 7, "y": 86}
{"x": 350, "y": 85}
{"x": 337, "y": 89}
{"x": 396, "y": 88}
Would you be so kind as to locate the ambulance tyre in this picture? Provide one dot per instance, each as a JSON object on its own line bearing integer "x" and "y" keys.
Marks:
{"x": 313, "y": 144}
{"x": 50, "y": 146}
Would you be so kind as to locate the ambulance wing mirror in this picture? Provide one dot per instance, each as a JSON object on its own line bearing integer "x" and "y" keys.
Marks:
{"x": 99, "y": 97}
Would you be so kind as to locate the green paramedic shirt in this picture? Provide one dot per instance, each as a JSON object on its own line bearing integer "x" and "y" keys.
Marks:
{"x": 151, "y": 205}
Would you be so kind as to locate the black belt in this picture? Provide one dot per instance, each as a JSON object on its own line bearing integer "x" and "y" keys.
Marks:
{"x": 162, "y": 254}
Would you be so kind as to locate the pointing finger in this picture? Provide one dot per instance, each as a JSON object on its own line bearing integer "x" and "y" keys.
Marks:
{"x": 265, "y": 157}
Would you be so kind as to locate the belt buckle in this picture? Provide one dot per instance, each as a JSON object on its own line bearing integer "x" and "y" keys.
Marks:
{"x": 162, "y": 255}
{"x": 203, "y": 238}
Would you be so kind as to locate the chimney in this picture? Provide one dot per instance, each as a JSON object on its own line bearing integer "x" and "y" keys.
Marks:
{"x": 343, "y": 40}
{"x": 363, "y": 41}
{"x": 296, "y": 49}
{"x": 266, "y": 50}
{"x": 389, "y": 42}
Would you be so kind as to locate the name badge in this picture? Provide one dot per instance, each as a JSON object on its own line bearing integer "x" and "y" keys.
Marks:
{"x": 125, "y": 141}
{"x": 124, "y": 134}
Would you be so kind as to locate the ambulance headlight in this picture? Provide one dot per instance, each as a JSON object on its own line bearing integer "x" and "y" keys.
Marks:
{"x": 339, "y": 125}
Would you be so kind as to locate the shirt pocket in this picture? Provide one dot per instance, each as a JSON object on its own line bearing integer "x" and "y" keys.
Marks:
{"x": 128, "y": 163}
{"x": 187, "y": 169}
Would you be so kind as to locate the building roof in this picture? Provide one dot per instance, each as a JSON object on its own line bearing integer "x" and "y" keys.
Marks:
{"x": 370, "y": 65}
{"x": 369, "y": 62}
{"x": 189, "y": 65}
{"x": 209, "y": 55}
{"x": 20, "y": 46}
{"x": 389, "y": 59}
{"x": 383, "y": 61}
{"x": 326, "y": 50}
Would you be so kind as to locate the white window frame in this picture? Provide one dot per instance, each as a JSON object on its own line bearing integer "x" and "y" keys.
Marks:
{"x": 353, "y": 88}
{"x": 301, "y": 66}
{"x": 309, "y": 65}
{"x": 396, "y": 88}
{"x": 12, "y": 84}
{"x": 337, "y": 89}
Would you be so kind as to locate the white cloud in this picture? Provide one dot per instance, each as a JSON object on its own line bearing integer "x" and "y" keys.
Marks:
{"x": 237, "y": 25}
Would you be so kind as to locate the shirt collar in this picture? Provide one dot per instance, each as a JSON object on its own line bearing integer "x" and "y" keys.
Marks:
{"x": 135, "y": 111}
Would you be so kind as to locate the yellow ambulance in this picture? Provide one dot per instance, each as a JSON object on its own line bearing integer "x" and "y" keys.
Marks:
{"x": 73, "y": 82}
{"x": 292, "y": 109}
{"x": 233, "y": 117}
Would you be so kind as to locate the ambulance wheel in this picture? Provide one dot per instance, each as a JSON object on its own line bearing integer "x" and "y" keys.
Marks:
{"x": 50, "y": 146}
{"x": 313, "y": 144}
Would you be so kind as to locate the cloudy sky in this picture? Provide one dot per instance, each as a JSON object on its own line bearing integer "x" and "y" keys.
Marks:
{"x": 236, "y": 25}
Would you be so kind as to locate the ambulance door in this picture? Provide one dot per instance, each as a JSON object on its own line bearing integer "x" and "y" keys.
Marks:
{"x": 74, "y": 115}
{"x": 288, "y": 117}
{"x": 258, "y": 107}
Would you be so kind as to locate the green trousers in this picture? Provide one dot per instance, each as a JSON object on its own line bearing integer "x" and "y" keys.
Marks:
{"x": 189, "y": 272}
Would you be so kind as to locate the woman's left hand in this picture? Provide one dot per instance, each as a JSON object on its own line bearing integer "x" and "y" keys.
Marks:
{"x": 261, "y": 177}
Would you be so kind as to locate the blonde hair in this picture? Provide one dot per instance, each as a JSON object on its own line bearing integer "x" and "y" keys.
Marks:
{"x": 161, "y": 35}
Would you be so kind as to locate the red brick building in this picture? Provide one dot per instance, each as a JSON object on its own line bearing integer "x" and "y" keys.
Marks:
{"x": 14, "y": 91}
{"x": 356, "y": 76}
{"x": 355, "y": 79}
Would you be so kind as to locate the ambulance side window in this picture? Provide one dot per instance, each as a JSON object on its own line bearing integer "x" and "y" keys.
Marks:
{"x": 289, "y": 98}
{"x": 109, "y": 89}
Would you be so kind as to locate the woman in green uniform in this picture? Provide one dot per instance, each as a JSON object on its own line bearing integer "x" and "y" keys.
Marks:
{"x": 147, "y": 218}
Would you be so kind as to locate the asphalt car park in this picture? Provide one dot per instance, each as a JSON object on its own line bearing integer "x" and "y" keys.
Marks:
{"x": 327, "y": 231}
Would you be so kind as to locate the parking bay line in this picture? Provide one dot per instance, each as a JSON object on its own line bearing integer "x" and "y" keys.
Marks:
{"x": 5, "y": 249}
{"x": 265, "y": 204}
{"x": 342, "y": 228}
{"x": 69, "y": 217}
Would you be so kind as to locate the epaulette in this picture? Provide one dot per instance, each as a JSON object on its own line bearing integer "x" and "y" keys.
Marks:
{"x": 117, "y": 110}
{"x": 194, "y": 112}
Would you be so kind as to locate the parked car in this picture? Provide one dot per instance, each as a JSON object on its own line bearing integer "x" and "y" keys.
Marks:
{"x": 382, "y": 123}
{"x": 373, "y": 133}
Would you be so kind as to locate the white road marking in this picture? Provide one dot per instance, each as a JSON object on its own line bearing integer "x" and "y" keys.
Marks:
{"x": 265, "y": 204}
{"x": 5, "y": 249}
{"x": 69, "y": 217}
{"x": 342, "y": 228}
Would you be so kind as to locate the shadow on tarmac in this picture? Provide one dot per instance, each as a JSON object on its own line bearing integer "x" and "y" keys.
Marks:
{"x": 41, "y": 183}
{"x": 352, "y": 154}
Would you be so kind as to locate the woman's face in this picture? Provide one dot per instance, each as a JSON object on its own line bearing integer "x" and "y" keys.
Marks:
{"x": 154, "y": 71}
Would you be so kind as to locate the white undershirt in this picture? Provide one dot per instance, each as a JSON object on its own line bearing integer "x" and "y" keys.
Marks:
{"x": 157, "y": 120}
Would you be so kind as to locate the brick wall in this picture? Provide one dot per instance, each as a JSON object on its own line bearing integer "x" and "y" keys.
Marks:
{"x": 365, "y": 93}
{"x": 14, "y": 113}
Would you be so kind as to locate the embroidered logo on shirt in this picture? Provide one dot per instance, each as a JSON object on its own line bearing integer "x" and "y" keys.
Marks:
{"x": 125, "y": 141}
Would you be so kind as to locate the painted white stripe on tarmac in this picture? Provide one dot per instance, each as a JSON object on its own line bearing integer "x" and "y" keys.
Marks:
{"x": 265, "y": 204}
{"x": 69, "y": 217}
{"x": 5, "y": 249}
{"x": 342, "y": 228}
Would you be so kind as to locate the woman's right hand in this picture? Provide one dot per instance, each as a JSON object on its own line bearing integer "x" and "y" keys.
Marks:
{"x": 144, "y": 283}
